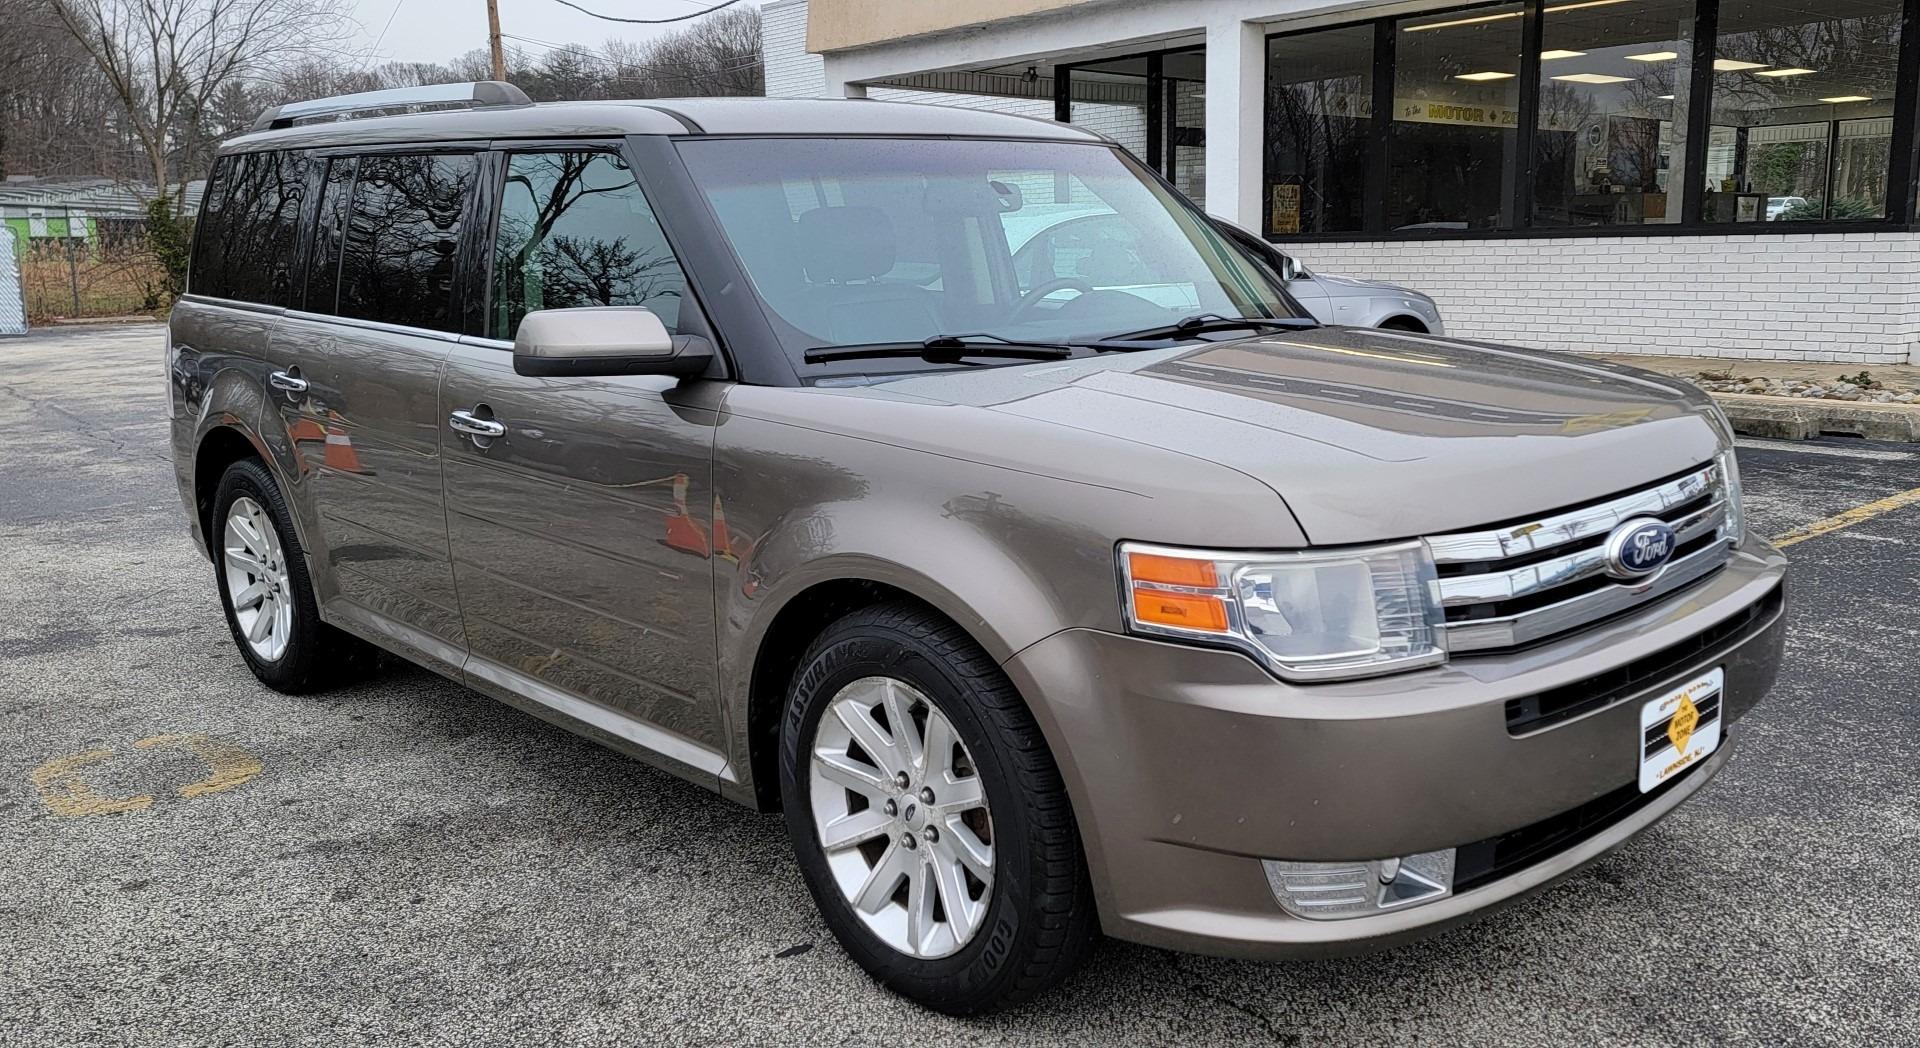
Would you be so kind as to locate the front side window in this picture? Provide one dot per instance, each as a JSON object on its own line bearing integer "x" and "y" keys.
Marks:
{"x": 574, "y": 231}
{"x": 397, "y": 263}
{"x": 1613, "y": 89}
{"x": 1456, "y": 106}
{"x": 1802, "y": 110}
{"x": 857, "y": 241}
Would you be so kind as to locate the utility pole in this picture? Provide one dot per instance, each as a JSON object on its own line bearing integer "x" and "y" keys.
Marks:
{"x": 493, "y": 40}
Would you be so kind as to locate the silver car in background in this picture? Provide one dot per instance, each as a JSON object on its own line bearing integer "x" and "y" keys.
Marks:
{"x": 1348, "y": 301}
{"x": 1078, "y": 249}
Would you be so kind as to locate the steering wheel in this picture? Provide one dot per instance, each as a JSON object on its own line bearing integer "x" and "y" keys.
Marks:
{"x": 1046, "y": 287}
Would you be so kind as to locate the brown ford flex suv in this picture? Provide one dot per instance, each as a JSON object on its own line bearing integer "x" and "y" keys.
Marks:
{"x": 1081, "y": 585}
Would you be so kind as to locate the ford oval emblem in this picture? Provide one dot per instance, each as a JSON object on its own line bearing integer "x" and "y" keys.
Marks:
{"x": 1639, "y": 548}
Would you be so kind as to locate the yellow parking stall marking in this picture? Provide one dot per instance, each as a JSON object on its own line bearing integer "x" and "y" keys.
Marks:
{"x": 1856, "y": 515}
{"x": 66, "y": 791}
{"x": 228, "y": 765}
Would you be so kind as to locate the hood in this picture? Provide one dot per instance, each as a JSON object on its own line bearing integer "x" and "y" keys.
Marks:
{"x": 1335, "y": 284}
{"x": 1370, "y": 435}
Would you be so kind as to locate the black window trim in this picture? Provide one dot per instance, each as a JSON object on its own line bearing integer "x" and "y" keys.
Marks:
{"x": 1903, "y": 209}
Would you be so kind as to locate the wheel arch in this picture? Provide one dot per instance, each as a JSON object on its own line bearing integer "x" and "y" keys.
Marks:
{"x": 218, "y": 449}
{"x": 1404, "y": 322}
{"x": 792, "y": 627}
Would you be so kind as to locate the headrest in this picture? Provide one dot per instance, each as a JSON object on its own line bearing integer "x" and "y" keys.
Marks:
{"x": 840, "y": 244}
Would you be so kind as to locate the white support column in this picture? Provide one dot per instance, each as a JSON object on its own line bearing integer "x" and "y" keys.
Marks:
{"x": 1236, "y": 106}
{"x": 837, "y": 83}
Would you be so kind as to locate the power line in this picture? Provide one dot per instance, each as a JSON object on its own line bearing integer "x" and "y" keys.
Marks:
{"x": 397, "y": 5}
{"x": 648, "y": 21}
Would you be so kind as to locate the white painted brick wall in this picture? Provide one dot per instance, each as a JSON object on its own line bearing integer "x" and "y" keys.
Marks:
{"x": 790, "y": 70}
{"x": 1852, "y": 298}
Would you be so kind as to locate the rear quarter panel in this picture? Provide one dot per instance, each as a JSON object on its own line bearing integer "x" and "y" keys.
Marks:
{"x": 217, "y": 378}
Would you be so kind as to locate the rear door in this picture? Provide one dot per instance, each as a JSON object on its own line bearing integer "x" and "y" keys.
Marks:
{"x": 383, "y": 296}
{"x": 582, "y": 535}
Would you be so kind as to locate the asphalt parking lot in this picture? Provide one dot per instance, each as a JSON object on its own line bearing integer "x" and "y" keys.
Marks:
{"x": 406, "y": 862}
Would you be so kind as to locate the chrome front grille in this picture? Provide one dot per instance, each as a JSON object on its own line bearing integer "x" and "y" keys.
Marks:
{"x": 1511, "y": 586}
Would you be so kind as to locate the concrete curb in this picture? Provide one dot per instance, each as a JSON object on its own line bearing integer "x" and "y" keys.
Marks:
{"x": 1786, "y": 418}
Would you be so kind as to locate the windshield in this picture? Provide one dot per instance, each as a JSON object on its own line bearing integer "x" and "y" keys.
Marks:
{"x": 865, "y": 241}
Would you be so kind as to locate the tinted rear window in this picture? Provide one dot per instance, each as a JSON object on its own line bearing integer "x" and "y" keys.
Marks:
{"x": 252, "y": 227}
{"x": 397, "y": 264}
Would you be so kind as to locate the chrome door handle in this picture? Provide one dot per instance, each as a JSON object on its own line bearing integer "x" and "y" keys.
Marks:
{"x": 475, "y": 426}
{"x": 289, "y": 382}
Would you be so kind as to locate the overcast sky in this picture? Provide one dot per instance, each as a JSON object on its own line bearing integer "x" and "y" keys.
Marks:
{"x": 437, "y": 30}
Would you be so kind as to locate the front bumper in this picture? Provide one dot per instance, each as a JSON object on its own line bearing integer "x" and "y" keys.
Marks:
{"x": 1189, "y": 766}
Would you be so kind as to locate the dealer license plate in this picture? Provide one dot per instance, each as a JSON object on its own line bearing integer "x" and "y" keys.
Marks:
{"x": 1679, "y": 729}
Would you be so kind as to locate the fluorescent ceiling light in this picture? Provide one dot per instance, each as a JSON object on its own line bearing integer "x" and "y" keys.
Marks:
{"x": 1785, "y": 72}
{"x": 1734, "y": 65}
{"x": 1666, "y": 98}
{"x": 1506, "y": 16}
{"x": 1593, "y": 78}
{"x": 1489, "y": 75}
{"x": 1848, "y": 98}
{"x": 1548, "y": 56}
{"x": 1480, "y": 20}
{"x": 1654, "y": 56}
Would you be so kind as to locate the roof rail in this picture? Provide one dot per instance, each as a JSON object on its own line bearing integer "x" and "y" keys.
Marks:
{"x": 478, "y": 93}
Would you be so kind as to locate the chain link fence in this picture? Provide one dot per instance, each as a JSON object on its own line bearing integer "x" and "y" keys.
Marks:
{"x": 13, "y": 304}
{"x": 75, "y": 264}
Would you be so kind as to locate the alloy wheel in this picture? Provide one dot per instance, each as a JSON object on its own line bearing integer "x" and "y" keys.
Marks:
{"x": 259, "y": 590}
{"x": 901, "y": 813}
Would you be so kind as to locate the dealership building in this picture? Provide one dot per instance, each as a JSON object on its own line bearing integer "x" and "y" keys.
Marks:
{"x": 1730, "y": 178}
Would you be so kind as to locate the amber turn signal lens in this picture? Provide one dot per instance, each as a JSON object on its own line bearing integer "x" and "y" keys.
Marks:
{"x": 1172, "y": 571}
{"x": 1182, "y": 610}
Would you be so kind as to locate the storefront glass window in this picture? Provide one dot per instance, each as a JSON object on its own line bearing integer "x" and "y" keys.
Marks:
{"x": 1802, "y": 110}
{"x": 1613, "y": 90}
{"x": 1319, "y": 111}
{"x": 1456, "y": 105}
{"x": 1111, "y": 98}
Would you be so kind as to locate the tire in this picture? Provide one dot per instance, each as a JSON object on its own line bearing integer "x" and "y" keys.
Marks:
{"x": 296, "y": 653}
{"x": 1034, "y": 921}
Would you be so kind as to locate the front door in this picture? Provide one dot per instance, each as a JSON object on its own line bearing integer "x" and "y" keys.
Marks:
{"x": 384, "y": 266}
{"x": 582, "y": 533}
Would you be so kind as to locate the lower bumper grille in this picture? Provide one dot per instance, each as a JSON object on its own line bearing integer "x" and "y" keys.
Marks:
{"x": 1548, "y": 708}
{"x": 1484, "y": 862}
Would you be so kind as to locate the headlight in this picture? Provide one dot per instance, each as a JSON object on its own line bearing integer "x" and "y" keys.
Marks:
{"x": 1307, "y": 616}
{"x": 1736, "y": 526}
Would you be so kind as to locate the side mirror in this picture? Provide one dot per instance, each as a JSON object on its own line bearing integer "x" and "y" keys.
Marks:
{"x": 1283, "y": 264}
{"x": 604, "y": 340}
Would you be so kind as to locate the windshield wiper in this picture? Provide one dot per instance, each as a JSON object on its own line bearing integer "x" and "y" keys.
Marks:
{"x": 943, "y": 349}
{"x": 1201, "y": 324}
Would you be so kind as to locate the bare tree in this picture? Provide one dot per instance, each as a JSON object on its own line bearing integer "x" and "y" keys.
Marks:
{"x": 167, "y": 61}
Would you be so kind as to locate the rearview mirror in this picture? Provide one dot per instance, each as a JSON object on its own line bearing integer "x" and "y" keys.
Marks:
{"x": 604, "y": 340}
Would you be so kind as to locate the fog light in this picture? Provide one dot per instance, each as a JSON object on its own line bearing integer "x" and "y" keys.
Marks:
{"x": 1326, "y": 891}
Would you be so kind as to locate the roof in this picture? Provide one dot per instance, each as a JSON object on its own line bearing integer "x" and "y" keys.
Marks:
{"x": 664, "y": 116}
{"x": 91, "y": 194}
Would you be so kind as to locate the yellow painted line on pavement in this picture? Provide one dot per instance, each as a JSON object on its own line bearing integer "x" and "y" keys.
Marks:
{"x": 227, "y": 765}
{"x": 65, "y": 790}
{"x": 1856, "y": 515}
